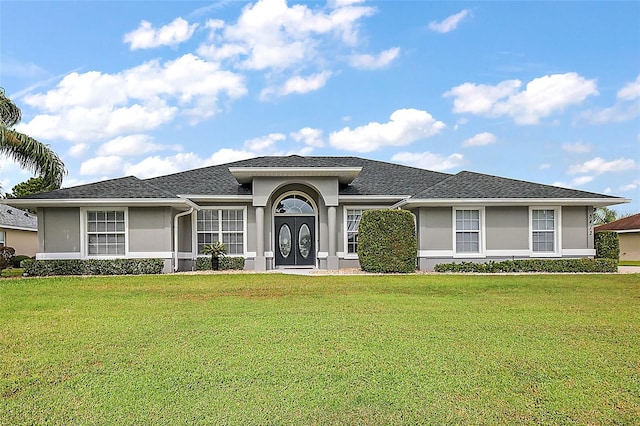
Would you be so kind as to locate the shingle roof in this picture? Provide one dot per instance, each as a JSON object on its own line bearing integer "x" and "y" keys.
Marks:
{"x": 375, "y": 178}
{"x": 126, "y": 187}
{"x": 624, "y": 224}
{"x": 10, "y": 217}
{"x": 476, "y": 185}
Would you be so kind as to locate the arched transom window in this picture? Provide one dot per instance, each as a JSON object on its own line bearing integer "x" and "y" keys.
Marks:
{"x": 295, "y": 204}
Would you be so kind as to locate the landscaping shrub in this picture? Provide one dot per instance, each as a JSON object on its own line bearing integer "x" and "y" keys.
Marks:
{"x": 92, "y": 267}
{"x": 18, "y": 259}
{"x": 607, "y": 245}
{"x": 6, "y": 256}
{"x": 532, "y": 265}
{"x": 225, "y": 263}
{"x": 387, "y": 241}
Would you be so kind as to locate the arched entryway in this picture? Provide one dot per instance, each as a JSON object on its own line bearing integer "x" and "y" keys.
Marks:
{"x": 294, "y": 217}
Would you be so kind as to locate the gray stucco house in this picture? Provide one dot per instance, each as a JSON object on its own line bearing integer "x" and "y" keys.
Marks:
{"x": 296, "y": 211}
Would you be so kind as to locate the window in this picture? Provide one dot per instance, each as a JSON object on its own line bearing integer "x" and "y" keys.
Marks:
{"x": 2, "y": 238}
{"x": 353, "y": 222}
{"x": 225, "y": 225}
{"x": 106, "y": 233}
{"x": 468, "y": 231}
{"x": 543, "y": 226}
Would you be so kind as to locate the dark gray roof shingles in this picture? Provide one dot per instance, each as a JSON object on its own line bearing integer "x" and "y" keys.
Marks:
{"x": 476, "y": 185}
{"x": 376, "y": 178}
{"x": 10, "y": 217}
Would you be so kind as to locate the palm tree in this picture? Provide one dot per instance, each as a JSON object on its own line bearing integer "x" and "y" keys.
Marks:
{"x": 25, "y": 150}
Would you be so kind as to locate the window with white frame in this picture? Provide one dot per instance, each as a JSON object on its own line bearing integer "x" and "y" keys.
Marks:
{"x": 2, "y": 238}
{"x": 468, "y": 231}
{"x": 224, "y": 225}
{"x": 353, "y": 222}
{"x": 543, "y": 228}
{"x": 106, "y": 233}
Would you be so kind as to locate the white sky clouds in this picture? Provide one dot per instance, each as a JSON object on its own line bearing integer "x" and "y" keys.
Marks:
{"x": 481, "y": 139}
{"x": 132, "y": 145}
{"x": 540, "y": 98}
{"x": 450, "y": 23}
{"x": 599, "y": 165}
{"x": 298, "y": 85}
{"x": 429, "y": 161}
{"x": 145, "y": 36}
{"x": 366, "y": 61}
{"x": 404, "y": 127}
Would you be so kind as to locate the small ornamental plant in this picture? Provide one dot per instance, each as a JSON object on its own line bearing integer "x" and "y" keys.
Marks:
{"x": 216, "y": 250}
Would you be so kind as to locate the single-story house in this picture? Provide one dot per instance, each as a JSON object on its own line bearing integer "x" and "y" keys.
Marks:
{"x": 18, "y": 229}
{"x": 296, "y": 211}
{"x": 628, "y": 229}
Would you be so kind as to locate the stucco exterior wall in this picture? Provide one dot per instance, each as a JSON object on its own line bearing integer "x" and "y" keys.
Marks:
{"x": 150, "y": 229}
{"x": 59, "y": 230}
{"x": 575, "y": 228}
{"x": 435, "y": 228}
{"x": 24, "y": 242}
{"x": 507, "y": 228}
{"x": 629, "y": 245}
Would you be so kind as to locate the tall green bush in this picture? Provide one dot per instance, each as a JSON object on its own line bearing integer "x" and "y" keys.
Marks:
{"x": 387, "y": 241}
{"x": 607, "y": 245}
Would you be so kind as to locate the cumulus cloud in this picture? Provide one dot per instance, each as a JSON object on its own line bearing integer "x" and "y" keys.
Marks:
{"x": 145, "y": 36}
{"x": 450, "y": 23}
{"x": 109, "y": 165}
{"x": 577, "y": 147}
{"x": 631, "y": 91}
{"x": 626, "y": 107}
{"x": 132, "y": 145}
{"x": 78, "y": 150}
{"x": 158, "y": 166}
{"x": 480, "y": 139}
{"x": 309, "y": 136}
{"x": 366, "y": 61}
{"x": 264, "y": 143}
{"x": 404, "y": 127}
{"x": 429, "y": 161}
{"x": 575, "y": 183}
{"x": 92, "y": 106}
{"x": 630, "y": 186}
{"x": 271, "y": 35}
{"x": 599, "y": 165}
{"x": 540, "y": 98}
{"x": 298, "y": 85}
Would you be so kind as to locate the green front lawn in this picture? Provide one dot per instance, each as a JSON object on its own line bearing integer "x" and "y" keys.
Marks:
{"x": 280, "y": 349}
{"x": 629, "y": 263}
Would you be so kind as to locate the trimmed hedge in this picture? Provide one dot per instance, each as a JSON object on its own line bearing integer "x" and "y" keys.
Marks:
{"x": 40, "y": 268}
{"x": 607, "y": 245}
{"x": 387, "y": 241}
{"x": 17, "y": 260}
{"x": 533, "y": 265}
{"x": 226, "y": 263}
{"x": 6, "y": 256}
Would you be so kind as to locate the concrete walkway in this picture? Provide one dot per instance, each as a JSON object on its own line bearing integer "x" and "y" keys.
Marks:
{"x": 629, "y": 269}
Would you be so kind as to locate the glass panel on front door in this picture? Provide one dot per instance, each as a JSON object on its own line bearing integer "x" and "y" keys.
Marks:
{"x": 304, "y": 241}
{"x": 284, "y": 240}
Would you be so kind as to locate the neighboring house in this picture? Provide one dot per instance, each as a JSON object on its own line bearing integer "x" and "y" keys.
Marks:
{"x": 18, "y": 229}
{"x": 295, "y": 211}
{"x": 628, "y": 229}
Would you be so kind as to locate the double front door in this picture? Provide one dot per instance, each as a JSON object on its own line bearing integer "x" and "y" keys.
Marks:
{"x": 295, "y": 240}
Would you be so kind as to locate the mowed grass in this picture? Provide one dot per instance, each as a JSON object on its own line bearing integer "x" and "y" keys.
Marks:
{"x": 280, "y": 349}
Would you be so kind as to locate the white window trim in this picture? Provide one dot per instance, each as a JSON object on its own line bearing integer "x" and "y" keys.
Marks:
{"x": 482, "y": 232}
{"x": 557, "y": 237}
{"x": 345, "y": 238}
{"x": 3, "y": 238}
{"x": 84, "y": 241}
{"x": 194, "y": 228}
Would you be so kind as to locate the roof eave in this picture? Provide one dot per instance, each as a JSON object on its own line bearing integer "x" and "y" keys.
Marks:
{"x": 106, "y": 202}
{"x": 439, "y": 202}
{"x": 345, "y": 175}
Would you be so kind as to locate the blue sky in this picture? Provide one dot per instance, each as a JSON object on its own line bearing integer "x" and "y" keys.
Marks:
{"x": 541, "y": 91}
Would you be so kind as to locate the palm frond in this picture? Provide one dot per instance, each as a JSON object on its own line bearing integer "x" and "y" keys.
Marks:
{"x": 33, "y": 155}
{"x": 10, "y": 114}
